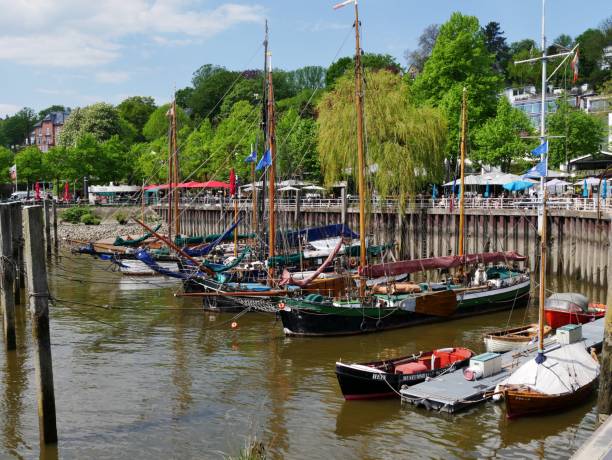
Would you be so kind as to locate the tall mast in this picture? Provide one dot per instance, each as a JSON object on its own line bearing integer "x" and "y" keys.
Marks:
{"x": 462, "y": 189}
{"x": 360, "y": 150}
{"x": 177, "y": 193}
{"x": 253, "y": 197}
{"x": 264, "y": 126}
{"x": 170, "y": 173}
{"x": 544, "y": 226}
{"x": 272, "y": 168}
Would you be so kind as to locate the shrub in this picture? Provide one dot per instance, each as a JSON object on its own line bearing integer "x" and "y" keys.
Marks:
{"x": 90, "y": 219}
{"x": 121, "y": 217}
{"x": 74, "y": 214}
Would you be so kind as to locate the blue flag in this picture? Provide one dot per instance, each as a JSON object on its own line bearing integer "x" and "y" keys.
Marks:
{"x": 252, "y": 158}
{"x": 266, "y": 160}
{"x": 539, "y": 170}
{"x": 540, "y": 149}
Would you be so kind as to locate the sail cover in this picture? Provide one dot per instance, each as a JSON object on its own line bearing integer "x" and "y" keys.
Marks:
{"x": 288, "y": 279}
{"x": 418, "y": 265}
{"x": 205, "y": 249}
{"x": 319, "y": 233}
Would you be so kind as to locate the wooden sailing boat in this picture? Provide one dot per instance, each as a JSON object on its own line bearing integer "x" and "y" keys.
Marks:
{"x": 317, "y": 315}
{"x": 563, "y": 375}
{"x": 514, "y": 338}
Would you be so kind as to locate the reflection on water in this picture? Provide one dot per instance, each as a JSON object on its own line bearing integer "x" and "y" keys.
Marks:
{"x": 140, "y": 370}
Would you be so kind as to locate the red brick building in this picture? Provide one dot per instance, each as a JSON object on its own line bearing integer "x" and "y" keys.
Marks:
{"x": 47, "y": 130}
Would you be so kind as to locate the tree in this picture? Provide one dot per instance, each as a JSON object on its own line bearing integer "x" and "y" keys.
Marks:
{"x": 496, "y": 44}
{"x": 137, "y": 110}
{"x": 417, "y": 58}
{"x": 309, "y": 77}
{"x": 459, "y": 59}
{"x": 210, "y": 87}
{"x": 498, "y": 141}
{"x": 7, "y": 159}
{"x": 591, "y": 50}
{"x": 369, "y": 61}
{"x": 100, "y": 120}
{"x": 523, "y": 74}
{"x": 196, "y": 151}
{"x": 17, "y": 129}
{"x": 297, "y": 146}
{"x": 158, "y": 124}
{"x": 56, "y": 164}
{"x": 29, "y": 164}
{"x": 54, "y": 108}
{"x": 583, "y": 134}
{"x": 405, "y": 142}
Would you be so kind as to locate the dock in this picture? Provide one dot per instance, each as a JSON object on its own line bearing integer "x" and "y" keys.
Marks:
{"x": 452, "y": 393}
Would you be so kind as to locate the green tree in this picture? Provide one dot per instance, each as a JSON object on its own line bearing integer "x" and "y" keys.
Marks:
{"x": 99, "y": 120}
{"x": 297, "y": 146}
{"x": 459, "y": 59}
{"x": 591, "y": 51}
{"x": 405, "y": 142}
{"x": 137, "y": 110}
{"x": 496, "y": 45}
{"x": 523, "y": 74}
{"x": 417, "y": 58}
{"x": 309, "y": 77}
{"x": 158, "y": 124}
{"x": 17, "y": 129}
{"x": 209, "y": 90}
{"x": 7, "y": 159}
{"x": 583, "y": 134}
{"x": 498, "y": 141}
{"x": 370, "y": 61}
{"x": 29, "y": 165}
{"x": 56, "y": 164}
{"x": 196, "y": 151}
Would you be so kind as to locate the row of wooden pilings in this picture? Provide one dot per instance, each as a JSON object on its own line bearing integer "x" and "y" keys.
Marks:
{"x": 25, "y": 246}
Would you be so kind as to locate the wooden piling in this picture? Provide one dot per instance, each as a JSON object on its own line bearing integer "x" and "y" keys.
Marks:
{"x": 55, "y": 240}
{"x": 604, "y": 400}
{"x": 7, "y": 294}
{"x": 17, "y": 233}
{"x": 39, "y": 309}
{"x": 47, "y": 226}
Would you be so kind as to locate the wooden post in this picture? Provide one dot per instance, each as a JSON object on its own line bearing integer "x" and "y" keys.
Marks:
{"x": 39, "y": 309}
{"x": 297, "y": 211}
{"x": 55, "y": 240}
{"x": 17, "y": 232}
{"x": 604, "y": 401}
{"x": 47, "y": 226}
{"x": 7, "y": 278}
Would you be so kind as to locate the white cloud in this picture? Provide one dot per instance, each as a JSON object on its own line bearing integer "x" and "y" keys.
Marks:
{"x": 8, "y": 109}
{"x": 85, "y": 34}
{"x": 321, "y": 26}
{"x": 112, "y": 77}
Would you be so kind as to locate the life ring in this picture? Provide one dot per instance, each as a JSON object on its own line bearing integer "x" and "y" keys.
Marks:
{"x": 281, "y": 306}
{"x": 352, "y": 262}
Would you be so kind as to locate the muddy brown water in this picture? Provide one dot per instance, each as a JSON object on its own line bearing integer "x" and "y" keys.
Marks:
{"x": 140, "y": 373}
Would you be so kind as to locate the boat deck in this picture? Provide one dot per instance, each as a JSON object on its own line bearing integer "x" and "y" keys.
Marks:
{"x": 452, "y": 392}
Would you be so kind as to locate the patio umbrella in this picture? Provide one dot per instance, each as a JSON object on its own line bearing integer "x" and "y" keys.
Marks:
{"x": 434, "y": 192}
{"x": 604, "y": 189}
{"x": 518, "y": 185}
{"x": 66, "y": 192}
{"x": 585, "y": 189}
{"x": 487, "y": 192}
{"x": 37, "y": 191}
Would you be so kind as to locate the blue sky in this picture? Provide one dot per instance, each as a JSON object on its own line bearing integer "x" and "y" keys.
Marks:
{"x": 75, "y": 53}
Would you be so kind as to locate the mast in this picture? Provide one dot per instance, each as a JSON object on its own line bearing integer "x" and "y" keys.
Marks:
{"x": 264, "y": 127}
{"x": 462, "y": 189}
{"x": 177, "y": 193}
{"x": 253, "y": 197}
{"x": 170, "y": 173}
{"x": 543, "y": 228}
{"x": 271, "y": 169}
{"x": 360, "y": 151}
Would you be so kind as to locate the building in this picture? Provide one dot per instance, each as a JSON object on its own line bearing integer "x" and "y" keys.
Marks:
{"x": 46, "y": 131}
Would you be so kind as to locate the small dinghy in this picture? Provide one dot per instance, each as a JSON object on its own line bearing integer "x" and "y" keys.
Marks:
{"x": 383, "y": 379}
{"x": 514, "y": 338}
{"x": 571, "y": 308}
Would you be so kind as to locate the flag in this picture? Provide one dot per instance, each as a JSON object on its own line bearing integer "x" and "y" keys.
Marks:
{"x": 252, "y": 158}
{"x": 13, "y": 172}
{"x": 344, "y": 3}
{"x": 539, "y": 170}
{"x": 232, "y": 188}
{"x": 575, "y": 64}
{"x": 266, "y": 160}
{"x": 540, "y": 149}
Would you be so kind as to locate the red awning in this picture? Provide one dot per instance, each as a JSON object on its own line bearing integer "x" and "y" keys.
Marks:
{"x": 418, "y": 265}
{"x": 192, "y": 184}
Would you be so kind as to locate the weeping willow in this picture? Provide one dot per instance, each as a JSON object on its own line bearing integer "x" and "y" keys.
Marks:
{"x": 404, "y": 144}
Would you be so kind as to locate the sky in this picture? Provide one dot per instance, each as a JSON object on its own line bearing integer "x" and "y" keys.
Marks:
{"x": 75, "y": 52}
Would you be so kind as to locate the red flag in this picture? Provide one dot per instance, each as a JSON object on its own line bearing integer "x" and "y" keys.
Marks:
{"x": 232, "y": 189}
{"x": 66, "y": 192}
{"x": 575, "y": 64}
{"x": 37, "y": 191}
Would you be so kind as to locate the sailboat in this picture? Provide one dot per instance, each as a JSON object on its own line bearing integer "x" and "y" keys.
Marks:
{"x": 379, "y": 310}
{"x": 565, "y": 374}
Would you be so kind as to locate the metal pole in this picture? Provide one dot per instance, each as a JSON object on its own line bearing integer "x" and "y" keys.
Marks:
{"x": 462, "y": 148}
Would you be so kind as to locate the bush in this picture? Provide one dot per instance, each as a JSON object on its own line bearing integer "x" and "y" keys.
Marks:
{"x": 73, "y": 215}
{"x": 122, "y": 217}
{"x": 90, "y": 219}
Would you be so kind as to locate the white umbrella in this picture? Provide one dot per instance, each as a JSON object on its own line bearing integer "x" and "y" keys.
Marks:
{"x": 557, "y": 183}
{"x": 590, "y": 181}
{"x": 288, "y": 188}
{"x": 313, "y": 187}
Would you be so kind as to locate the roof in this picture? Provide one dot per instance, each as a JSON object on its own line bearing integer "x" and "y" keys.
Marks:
{"x": 57, "y": 118}
{"x": 590, "y": 156}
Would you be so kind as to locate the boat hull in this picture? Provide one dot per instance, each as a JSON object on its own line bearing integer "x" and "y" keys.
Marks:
{"x": 526, "y": 403}
{"x": 310, "y": 319}
{"x": 557, "y": 319}
{"x": 513, "y": 339}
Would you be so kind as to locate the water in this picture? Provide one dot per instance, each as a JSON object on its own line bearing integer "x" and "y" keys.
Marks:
{"x": 155, "y": 377}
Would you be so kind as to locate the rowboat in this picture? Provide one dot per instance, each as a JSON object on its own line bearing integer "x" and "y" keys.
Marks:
{"x": 383, "y": 379}
{"x": 571, "y": 308}
{"x": 513, "y": 339}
